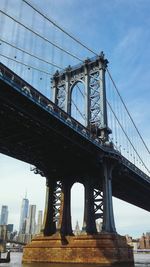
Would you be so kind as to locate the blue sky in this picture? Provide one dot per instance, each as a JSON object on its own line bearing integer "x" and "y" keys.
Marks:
{"x": 121, "y": 28}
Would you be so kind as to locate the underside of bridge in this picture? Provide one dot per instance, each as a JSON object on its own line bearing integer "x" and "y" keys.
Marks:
{"x": 64, "y": 155}
{"x": 30, "y": 134}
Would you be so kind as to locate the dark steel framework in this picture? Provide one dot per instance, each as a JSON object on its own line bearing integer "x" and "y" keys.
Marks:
{"x": 98, "y": 201}
{"x": 92, "y": 75}
{"x": 39, "y": 132}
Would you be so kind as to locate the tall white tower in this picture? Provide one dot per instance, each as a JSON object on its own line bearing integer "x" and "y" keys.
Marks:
{"x": 23, "y": 215}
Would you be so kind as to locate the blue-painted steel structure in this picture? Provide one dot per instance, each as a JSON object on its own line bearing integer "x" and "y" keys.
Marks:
{"x": 35, "y": 130}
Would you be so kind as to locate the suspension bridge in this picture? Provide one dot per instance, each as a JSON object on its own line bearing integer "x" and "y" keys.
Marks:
{"x": 62, "y": 112}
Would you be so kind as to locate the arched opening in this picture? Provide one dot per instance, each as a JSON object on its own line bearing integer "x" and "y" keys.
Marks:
{"x": 78, "y": 102}
{"x": 77, "y": 207}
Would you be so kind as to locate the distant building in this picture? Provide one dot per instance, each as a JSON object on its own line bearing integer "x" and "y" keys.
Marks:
{"x": 77, "y": 230}
{"x": 39, "y": 222}
{"x": 31, "y": 225}
{"x": 24, "y": 238}
{"x": 4, "y": 215}
{"x": 10, "y": 228}
{"x": 99, "y": 226}
{"x": 134, "y": 243}
{"x": 23, "y": 215}
{"x": 144, "y": 242}
{"x": 3, "y": 232}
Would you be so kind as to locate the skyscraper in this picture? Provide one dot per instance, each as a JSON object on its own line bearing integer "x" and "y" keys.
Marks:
{"x": 39, "y": 222}
{"x": 4, "y": 215}
{"x": 23, "y": 215}
{"x": 31, "y": 224}
{"x": 10, "y": 228}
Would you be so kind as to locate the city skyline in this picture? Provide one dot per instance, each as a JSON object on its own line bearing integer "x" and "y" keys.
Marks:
{"x": 122, "y": 30}
{"x": 77, "y": 214}
{"x": 28, "y": 220}
{"x": 29, "y": 224}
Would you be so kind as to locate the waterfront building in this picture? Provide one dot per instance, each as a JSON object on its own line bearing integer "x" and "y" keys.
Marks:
{"x": 134, "y": 243}
{"x": 144, "y": 242}
{"x": 23, "y": 215}
{"x": 28, "y": 238}
{"x": 10, "y": 228}
{"x": 3, "y": 232}
{"x": 23, "y": 238}
{"x": 31, "y": 224}
{"x": 99, "y": 226}
{"x": 39, "y": 222}
{"x": 4, "y": 215}
{"x": 77, "y": 230}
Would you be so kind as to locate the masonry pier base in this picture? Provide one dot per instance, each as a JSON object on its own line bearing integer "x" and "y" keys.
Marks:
{"x": 104, "y": 248}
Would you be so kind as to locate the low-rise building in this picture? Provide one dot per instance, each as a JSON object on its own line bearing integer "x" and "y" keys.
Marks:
{"x": 144, "y": 242}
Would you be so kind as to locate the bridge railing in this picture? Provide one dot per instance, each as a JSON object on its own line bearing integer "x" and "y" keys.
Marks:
{"x": 52, "y": 108}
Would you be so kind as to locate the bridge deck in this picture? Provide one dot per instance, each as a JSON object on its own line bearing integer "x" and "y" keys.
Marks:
{"x": 36, "y": 131}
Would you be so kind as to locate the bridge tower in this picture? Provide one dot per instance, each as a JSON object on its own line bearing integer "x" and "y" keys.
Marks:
{"x": 92, "y": 75}
{"x": 57, "y": 242}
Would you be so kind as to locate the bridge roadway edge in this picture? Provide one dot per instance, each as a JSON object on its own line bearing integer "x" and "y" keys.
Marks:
{"x": 126, "y": 184}
{"x": 103, "y": 248}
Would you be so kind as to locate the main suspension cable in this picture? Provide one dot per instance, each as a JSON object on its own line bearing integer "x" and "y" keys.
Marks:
{"x": 26, "y": 65}
{"x": 42, "y": 37}
{"x": 59, "y": 27}
{"x": 69, "y": 53}
{"x": 30, "y": 54}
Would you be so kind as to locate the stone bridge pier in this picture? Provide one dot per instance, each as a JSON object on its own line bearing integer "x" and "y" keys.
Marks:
{"x": 58, "y": 244}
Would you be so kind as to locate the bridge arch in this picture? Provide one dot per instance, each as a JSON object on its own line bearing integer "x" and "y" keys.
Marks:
{"x": 77, "y": 204}
{"x": 78, "y": 101}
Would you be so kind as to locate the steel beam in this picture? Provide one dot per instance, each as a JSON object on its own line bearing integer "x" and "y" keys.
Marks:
{"x": 49, "y": 226}
{"x": 108, "y": 215}
{"x": 89, "y": 225}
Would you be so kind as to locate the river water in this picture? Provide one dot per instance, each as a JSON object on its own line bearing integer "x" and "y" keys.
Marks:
{"x": 141, "y": 260}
